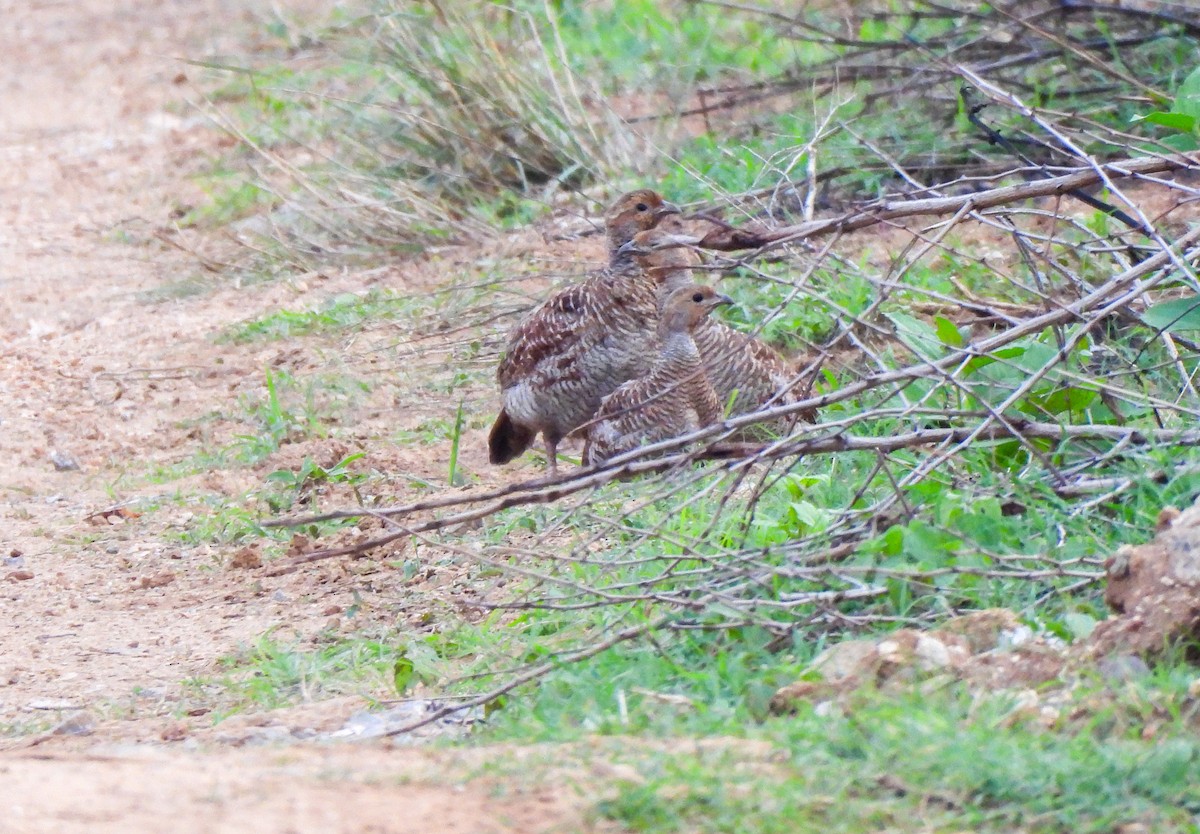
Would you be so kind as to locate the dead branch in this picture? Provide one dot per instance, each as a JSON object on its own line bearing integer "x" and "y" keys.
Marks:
{"x": 592, "y": 477}
{"x": 734, "y": 239}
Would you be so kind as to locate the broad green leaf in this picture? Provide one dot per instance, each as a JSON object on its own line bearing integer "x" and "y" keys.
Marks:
{"x": 1177, "y": 314}
{"x": 1080, "y": 625}
{"x": 927, "y": 546}
{"x": 1035, "y": 356}
{"x": 1068, "y": 399}
{"x": 916, "y": 334}
{"x": 1179, "y": 142}
{"x": 947, "y": 331}
{"x": 402, "y": 674}
{"x": 1176, "y": 121}
{"x": 977, "y": 362}
{"x": 806, "y": 515}
{"x": 1187, "y": 97}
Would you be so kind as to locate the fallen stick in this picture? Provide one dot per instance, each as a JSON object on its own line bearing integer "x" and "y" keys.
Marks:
{"x": 731, "y": 239}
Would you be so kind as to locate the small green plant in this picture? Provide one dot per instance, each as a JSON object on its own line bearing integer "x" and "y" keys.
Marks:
{"x": 1183, "y": 119}
{"x": 301, "y": 484}
{"x": 274, "y": 423}
{"x": 230, "y": 197}
{"x": 221, "y": 520}
{"x": 291, "y": 409}
{"x": 346, "y": 311}
{"x": 274, "y": 673}
{"x": 452, "y": 477}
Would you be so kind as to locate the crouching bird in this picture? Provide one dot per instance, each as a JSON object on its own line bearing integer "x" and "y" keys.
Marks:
{"x": 746, "y": 372}
{"x": 580, "y": 344}
{"x": 674, "y": 397}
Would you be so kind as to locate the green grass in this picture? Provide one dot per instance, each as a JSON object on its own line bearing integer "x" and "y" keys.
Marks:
{"x": 347, "y": 311}
{"x": 937, "y": 756}
{"x": 228, "y": 197}
{"x": 918, "y": 763}
{"x": 290, "y": 409}
{"x": 655, "y": 45}
{"x": 273, "y": 673}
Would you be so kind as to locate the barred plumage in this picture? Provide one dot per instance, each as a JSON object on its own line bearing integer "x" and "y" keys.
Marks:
{"x": 740, "y": 367}
{"x": 673, "y": 398}
{"x": 581, "y": 343}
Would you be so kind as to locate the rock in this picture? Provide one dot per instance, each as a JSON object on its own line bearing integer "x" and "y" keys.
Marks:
{"x": 788, "y": 698}
{"x": 1154, "y": 589}
{"x": 51, "y": 704}
{"x": 1123, "y": 668}
{"x": 846, "y": 660}
{"x": 985, "y": 630}
{"x": 77, "y": 724}
{"x": 63, "y": 461}
{"x": 158, "y": 580}
{"x": 247, "y": 558}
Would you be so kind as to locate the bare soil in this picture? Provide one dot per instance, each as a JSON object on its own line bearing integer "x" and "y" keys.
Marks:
{"x": 110, "y": 369}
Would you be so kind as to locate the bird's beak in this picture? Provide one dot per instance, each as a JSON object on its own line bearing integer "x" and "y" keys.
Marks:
{"x": 628, "y": 247}
{"x": 666, "y": 208}
{"x": 721, "y": 300}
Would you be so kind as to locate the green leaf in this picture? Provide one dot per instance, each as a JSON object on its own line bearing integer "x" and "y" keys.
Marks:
{"x": 402, "y": 674}
{"x": 1176, "y": 121}
{"x": 947, "y": 331}
{"x": 1178, "y": 142}
{"x": 916, "y": 334}
{"x": 1187, "y": 97}
{"x": 927, "y": 546}
{"x": 347, "y": 460}
{"x": 805, "y": 515}
{"x": 977, "y": 362}
{"x": 1177, "y": 314}
{"x": 494, "y": 706}
{"x": 1067, "y": 399}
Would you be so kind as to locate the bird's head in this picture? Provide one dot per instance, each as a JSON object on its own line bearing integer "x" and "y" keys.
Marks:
{"x": 635, "y": 212}
{"x": 670, "y": 234}
{"x": 687, "y": 306}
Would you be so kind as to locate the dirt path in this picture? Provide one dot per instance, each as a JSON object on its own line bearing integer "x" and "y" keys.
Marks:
{"x": 105, "y": 374}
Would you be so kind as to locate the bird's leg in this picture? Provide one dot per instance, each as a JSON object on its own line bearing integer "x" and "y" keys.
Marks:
{"x": 551, "y": 454}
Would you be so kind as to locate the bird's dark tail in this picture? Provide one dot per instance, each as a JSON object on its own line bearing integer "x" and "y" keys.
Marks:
{"x": 507, "y": 440}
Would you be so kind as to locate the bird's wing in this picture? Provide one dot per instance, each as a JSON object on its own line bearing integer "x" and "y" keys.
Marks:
{"x": 552, "y": 330}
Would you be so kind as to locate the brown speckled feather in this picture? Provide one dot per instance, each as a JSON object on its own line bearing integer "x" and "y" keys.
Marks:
{"x": 673, "y": 398}
{"x": 734, "y": 361}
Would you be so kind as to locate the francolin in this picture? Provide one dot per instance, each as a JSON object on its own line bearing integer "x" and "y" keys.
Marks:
{"x": 582, "y": 343}
{"x": 674, "y": 398}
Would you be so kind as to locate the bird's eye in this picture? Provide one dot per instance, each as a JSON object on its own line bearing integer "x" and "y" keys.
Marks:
{"x": 697, "y": 298}
{"x": 643, "y": 207}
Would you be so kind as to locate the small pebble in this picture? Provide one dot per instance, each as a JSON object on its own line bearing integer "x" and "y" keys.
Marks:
{"x": 79, "y": 724}
{"x": 63, "y": 461}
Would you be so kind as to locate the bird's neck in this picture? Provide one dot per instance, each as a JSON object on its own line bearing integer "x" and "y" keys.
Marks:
{"x": 670, "y": 278}
{"x": 617, "y": 259}
{"x": 676, "y": 344}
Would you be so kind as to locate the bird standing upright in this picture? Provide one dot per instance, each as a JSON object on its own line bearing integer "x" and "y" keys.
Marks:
{"x": 674, "y": 398}
{"x": 580, "y": 344}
